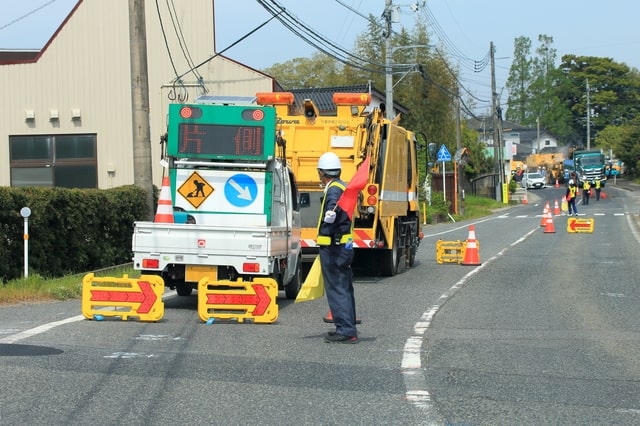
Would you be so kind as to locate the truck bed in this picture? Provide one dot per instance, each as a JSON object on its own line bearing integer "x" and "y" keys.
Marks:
{"x": 208, "y": 245}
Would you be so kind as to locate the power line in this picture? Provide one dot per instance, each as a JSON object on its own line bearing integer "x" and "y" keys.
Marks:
{"x": 20, "y": 18}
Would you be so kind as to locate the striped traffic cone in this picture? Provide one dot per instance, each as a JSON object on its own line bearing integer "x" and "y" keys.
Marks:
{"x": 549, "y": 228}
{"x": 471, "y": 255}
{"x": 164, "y": 214}
{"x": 556, "y": 208}
{"x": 545, "y": 213}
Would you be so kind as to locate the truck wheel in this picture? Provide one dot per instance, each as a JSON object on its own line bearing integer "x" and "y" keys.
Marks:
{"x": 389, "y": 263}
{"x": 293, "y": 287}
{"x": 184, "y": 290}
{"x": 412, "y": 256}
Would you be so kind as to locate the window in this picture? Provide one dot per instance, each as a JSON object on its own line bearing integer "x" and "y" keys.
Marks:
{"x": 68, "y": 161}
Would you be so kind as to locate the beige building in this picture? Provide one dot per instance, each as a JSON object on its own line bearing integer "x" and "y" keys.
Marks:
{"x": 66, "y": 110}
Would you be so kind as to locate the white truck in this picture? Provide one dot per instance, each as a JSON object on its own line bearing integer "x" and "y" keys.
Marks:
{"x": 234, "y": 201}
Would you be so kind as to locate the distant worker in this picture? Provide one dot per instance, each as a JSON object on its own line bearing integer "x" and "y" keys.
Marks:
{"x": 336, "y": 252}
{"x": 598, "y": 188}
{"x": 570, "y": 196}
{"x": 586, "y": 192}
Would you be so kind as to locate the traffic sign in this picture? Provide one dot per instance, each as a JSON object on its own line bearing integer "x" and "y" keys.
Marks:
{"x": 444, "y": 154}
{"x": 123, "y": 297}
{"x": 240, "y": 190}
{"x": 239, "y": 300}
{"x": 575, "y": 224}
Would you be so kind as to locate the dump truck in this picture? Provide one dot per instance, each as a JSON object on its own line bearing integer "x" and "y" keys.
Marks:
{"x": 233, "y": 209}
{"x": 386, "y": 219}
{"x": 588, "y": 165}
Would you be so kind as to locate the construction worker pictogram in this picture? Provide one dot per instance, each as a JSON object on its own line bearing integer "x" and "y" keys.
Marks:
{"x": 164, "y": 213}
{"x": 471, "y": 255}
{"x": 195, "y": 190}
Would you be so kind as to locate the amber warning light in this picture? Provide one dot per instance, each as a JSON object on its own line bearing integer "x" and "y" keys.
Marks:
{"x": 351, "y": 98}
{"x": 274, "y": 98}
{"x": 188, "y": 112}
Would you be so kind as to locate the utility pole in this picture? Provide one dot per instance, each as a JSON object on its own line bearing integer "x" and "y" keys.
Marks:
{"x": 388, "y": 62}
{"x": 497, "y": 145}
{"x": 141, "y": 130}
{"x": 588, "y": 117}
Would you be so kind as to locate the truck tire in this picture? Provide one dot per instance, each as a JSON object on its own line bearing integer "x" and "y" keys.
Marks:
{"x": 293, "y": 287}
{"x": 184, "y": 290}
{"x": 391, "y": 257}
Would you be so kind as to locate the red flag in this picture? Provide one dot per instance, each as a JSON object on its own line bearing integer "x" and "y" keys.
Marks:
{"x": 349, "y": 197}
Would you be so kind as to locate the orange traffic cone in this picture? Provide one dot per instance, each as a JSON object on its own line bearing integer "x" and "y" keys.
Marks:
{"x": 556, "y": 208}
{"x": 524, "y": 199}
{"x": 164, "y": 214}
{"x": 557, "y": 184}
{"x": 545, "y": 213}
{"x": 471, "y": 255}
{"x": 549, "y": 228}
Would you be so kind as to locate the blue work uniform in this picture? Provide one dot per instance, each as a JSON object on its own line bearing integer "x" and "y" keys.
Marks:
{"x": 336, "y": 254}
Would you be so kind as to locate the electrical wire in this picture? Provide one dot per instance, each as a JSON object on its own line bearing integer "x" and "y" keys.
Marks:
{"x": 20, "y": 18}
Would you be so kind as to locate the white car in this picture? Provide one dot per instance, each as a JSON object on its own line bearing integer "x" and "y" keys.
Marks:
{"x": 533, "y": 180}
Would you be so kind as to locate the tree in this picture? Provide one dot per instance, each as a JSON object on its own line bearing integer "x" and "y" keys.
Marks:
{"x": 519, "y": 80}
{"x": 613, "y": 91}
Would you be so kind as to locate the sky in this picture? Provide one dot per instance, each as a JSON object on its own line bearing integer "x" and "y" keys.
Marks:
{"x": 463, "y": 28}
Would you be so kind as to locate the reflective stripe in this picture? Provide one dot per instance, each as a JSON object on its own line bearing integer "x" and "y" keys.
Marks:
{"x": 324, "y": 240}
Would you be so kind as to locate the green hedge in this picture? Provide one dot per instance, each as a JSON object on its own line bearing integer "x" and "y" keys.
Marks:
{"x": 70, "y": 230}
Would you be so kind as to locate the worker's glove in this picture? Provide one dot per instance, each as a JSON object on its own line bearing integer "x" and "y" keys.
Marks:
{"x": 330, "y": 216}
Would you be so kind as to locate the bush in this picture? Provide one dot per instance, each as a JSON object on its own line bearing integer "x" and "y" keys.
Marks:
{"x": 439, "y": 208}
{"x": 70, "y": 230}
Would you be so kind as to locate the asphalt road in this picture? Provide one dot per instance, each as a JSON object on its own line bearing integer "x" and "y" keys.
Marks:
{"x": 544, "y": 331}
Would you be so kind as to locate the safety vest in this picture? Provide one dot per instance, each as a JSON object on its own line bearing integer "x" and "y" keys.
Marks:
{"x": 326, "y": 240}
{"x": 572, "y": 192}
{"x": 597, "y": 184}
{"x": 586, "y": 186}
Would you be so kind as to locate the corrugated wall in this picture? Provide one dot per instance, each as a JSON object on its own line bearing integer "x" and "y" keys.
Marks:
{"x": 86, "y": 67}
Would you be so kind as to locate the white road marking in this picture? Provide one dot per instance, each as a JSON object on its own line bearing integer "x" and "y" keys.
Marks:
{"x": 413, "y": 372}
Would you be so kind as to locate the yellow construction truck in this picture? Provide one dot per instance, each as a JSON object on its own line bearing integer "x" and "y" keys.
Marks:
{"x": 386, "y": 219}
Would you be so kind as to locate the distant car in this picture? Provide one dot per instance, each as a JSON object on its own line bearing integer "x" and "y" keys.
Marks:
{"x": 533, "y": 181}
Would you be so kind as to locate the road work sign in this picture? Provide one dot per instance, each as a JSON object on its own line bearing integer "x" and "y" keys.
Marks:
{"x": 578, "y": 225}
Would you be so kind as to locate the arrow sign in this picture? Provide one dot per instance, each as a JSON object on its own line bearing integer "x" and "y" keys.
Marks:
{"x": 260, "y": 299}
{"x": 580, "y": 225}
{"x": 146, "y": 298}
{"x": 243, "y": 193}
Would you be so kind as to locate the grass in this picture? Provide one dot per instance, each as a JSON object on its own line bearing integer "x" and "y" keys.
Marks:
{"x": 475, "y": 207}
{"x": 37, "y": 289}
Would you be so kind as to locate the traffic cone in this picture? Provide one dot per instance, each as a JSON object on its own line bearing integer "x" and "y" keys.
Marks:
{"x": 471, "y": 255}
{"x": 556, "y": 208}
{"x": 549, "y": 228}
{"x": 164, "y": 214}
{"x": 545, "y": 213}
{"x": 557, "y": 184}
{"x": 524, "y": 199}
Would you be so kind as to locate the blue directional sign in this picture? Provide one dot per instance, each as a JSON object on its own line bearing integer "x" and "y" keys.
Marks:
{"x": 443, "y": 154}
{"x": 240, "y": 190}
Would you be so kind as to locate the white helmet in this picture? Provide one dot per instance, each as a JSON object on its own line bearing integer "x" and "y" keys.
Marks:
{"x": 330, "y": 164}
{"x": 570, "y": 181}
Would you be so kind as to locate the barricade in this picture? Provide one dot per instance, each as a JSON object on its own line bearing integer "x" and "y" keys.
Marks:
{"x": 123, "y": 297}
{"x": 238, "y": 300}
{"x": 451, "y": 251}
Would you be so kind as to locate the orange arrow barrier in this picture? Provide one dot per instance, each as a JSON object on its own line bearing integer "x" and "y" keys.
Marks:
{"x": 123, "y": 297}
{"x": 238, "y": 300}
{"x": 577, "y": 225}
